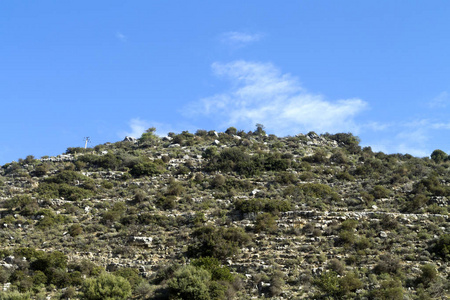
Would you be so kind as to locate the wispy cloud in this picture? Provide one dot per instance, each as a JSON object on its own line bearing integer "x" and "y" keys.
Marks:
{"x": 440, "y": 101}
{"x": 441, "y": 125}
{"x": 416, "y": 137}
{"x": 376, "y": 126}
{"x": 138, "y": 126}
{"x": 121, "y": 37}
{"x": 260, "y": 93}
{"x": 240, "y": 39}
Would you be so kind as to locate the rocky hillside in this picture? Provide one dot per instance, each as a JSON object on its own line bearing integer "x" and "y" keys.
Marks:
{"x": 230, "y": 215}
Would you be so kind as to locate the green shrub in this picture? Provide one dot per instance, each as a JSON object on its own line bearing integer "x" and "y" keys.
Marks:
{"x": 75, "y": 230}
{"x": 328, "y": 282}
{"x": 166, "y": 203}
{"x": 431, "y": 186}
{"x": 131, "y": 275}
{"x": 442, "y": 247}
{"x": 349, "y": 283}
{"x": 24, "y": 203}
{"x": 346, "y": 238}
{"x": 313, "y": 190}
{"x": 388, "y": 290}
{"x": 217, "y": 242}
{"x": 86, "y": 267}
{"x": 428, "y": 275}
{"x": 108, "y": 161}
{"x": 345, "y": 176}
{"x": 106, "y": 287}
{"x": 212, "y": 265}
{"x": 15, "y": 295}
{"x": 337, "y": 287}
{"x": 49, "y": 261}
{"x": 439, "y": 156}
{"x": 349, "y": 224}
{"x": 41, "y": 170}
{"x": 380, "y": 192}
{"x": 47, "y": 219}
{"x": 266, "y": 222}
{"x": 77, "y": 150}
{"x": 190, "y": 283}
{"x": 347, "y": 140}
{"x": 387, "y": 264}
{"x": 147, "y": 169}
{"x": 336, "y": 266}
{"x": 260, "y": 205}
{"x": 236, "y": 160}
{"x": 67, "y": 184}
{"x": 175, "y": 188}
{"x": 286, "y": 178}
{"x": 319, "y": 157}
{"x": 276, "y": 283}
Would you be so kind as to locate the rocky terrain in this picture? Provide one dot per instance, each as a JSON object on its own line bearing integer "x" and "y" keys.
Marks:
{"x": 230, "y": 215}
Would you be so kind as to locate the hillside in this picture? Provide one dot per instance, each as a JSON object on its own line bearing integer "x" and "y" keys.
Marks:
{"x": 230, "y": 215}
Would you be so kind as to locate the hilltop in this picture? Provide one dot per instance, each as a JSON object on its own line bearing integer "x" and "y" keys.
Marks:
{"x": 226, "y": 215}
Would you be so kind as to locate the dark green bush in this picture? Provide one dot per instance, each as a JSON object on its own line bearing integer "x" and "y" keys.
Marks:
{"x": 260, "y": 205}
{"x": 313, "y": 190}
{"x": 286, "y": 178}
{"x": 387, "y": 264}
{"x": 380, "y": 192}
{"x": 47, "y": 219}
{"x": 190, "y": 283}
{"x": 147, "y": 169}
{"x": 388, "y": 290}
{"x": 212, "y": 265}
{"x": 442, "y": 247}
{"x": 347, "y": 140}
{"x": 75, "y": 230}
{"x": 106, "y": 286}
{"x": 439, "y": 156}
{"x": 23, "y": 203}
{"x": 431, "y": 186}
{"x": 131, "y": 275}
{"x": 217, "y": 242}
{"x": 236, "y": 160}
{"x": 428, "y": 274}
{"x": 265, "y": 222}
{"x": 77, "y": 150}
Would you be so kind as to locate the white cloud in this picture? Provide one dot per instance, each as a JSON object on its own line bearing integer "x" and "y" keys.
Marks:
{"x": 240, "y": 39}
{"x": 137, "y": 126}
{"x": 121, "y": 37}
{"x": 377, "y": 126}
{"x": 440, "y": 101}
{"x": 260, "y": 93}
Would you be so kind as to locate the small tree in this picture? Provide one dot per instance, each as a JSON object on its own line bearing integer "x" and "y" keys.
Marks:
{"x": 148, "y": 135}
{"x": 439, "y": 156}
{"x": 260, "y": 129}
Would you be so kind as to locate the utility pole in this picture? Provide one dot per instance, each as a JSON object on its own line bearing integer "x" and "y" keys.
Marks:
{"x": 86, "y": 141}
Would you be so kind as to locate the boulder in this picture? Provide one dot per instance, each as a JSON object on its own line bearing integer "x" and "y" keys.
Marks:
{"x": 130, "y": 139}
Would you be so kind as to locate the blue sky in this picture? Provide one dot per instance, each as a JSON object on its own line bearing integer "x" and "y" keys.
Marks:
{"x": 106, "y": 69}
